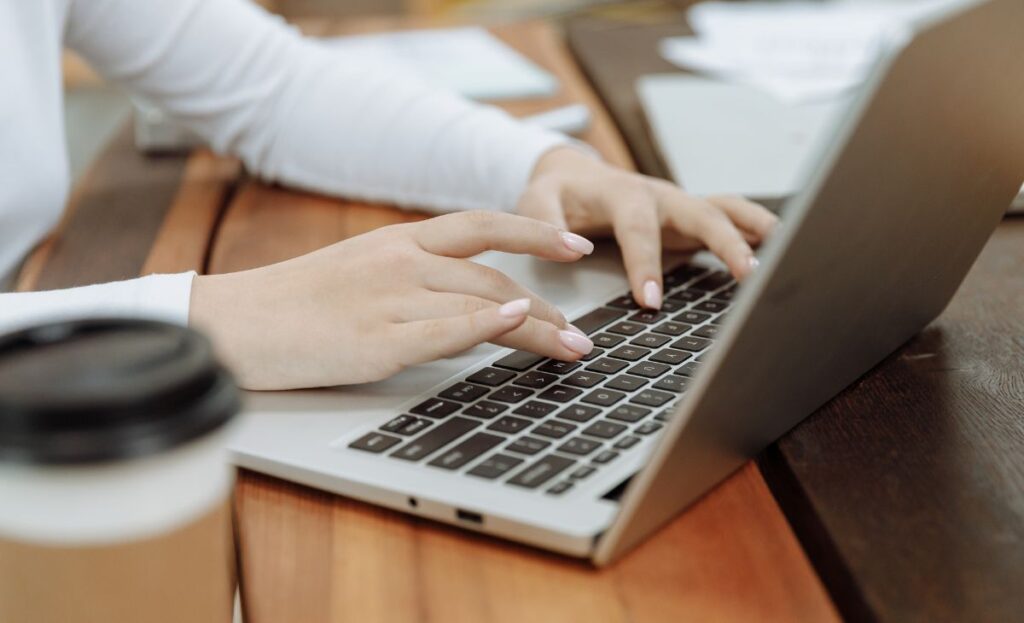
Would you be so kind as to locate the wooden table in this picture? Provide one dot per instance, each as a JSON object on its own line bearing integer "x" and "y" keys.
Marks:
{"x": 310, "y": 556}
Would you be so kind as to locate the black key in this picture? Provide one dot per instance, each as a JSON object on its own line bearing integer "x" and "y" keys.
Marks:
{"x": 603, "y": 397}
{"x": 535, "y": 409}
{"x": 626, "y": 443}
{"x": 495, "y": 466}
{"x": 607, "y": 366}
{"x": 436, "y": 408}
{"x": 671, "y": 306}
{"x": 672, "y": 328}
{"x": 605, "y": 457}
{"x": 628, "y": 413}
{"x": 559, "y": 367}
{"x": 629, "y": 353}
{"x": 684, "y": 273}
{"x": 560, "y": 393}
{"x": 726, "y": 295}
{"x": 541, "y": 471}
{"x": 519, "y": 361}
{"x": 649, "y": 369}
{"x": 560, "y": 488}
{"x": 647, "y": 428}
{"x": 585, "y": 379}
{"x": 689, "y": 369}
{"x": 714, "y": 281}
{"x": 626, "y": 383}
{"x": 582, "y": 472}
{"x": 709, "y": 331}
{"x": 511, "y": 394}
{"x": 670, "y": 356}
{"x": 553, "y": 429}
{"x": 435, "y": 439}
{"x": 626, "y": 328}
{"x": 607, "y": 340}
{"x": 647, "y": 316}
{"x": 484, "y": 409}
{"x": 406, "y": 425}
{"x": 665, "y": 414}
{"x": 374, "y": 442}
{"x": 535, "y": 379}
{"x": 492, "y": 376}
{"x": 712, "y": 306}
{"x": 672, "y": 383}
{"x": 588, "y": 323}
{"x": 528, "y": 445}
{"x": 416, "y": 426}
{"x": 593, "y": 354}
{"x": 604, "y": 429}
{"x": 580, "y": 446}
{"x": 692, "y": 317}
{"x": 624, "y": 302}
{"x": 509, "y": 424}
{"x": 652, "y": 398}
{"x": 688, "y": 295}
{"x": 466, "y": 451}
{"x": 464, "y": 392}
{"x": 650, "y": 340}
{"x": 579, "y": 413}
{"x": 691, "y": 343}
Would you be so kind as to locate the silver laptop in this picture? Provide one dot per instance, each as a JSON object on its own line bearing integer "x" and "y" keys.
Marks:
{"x": 589, "y": 458}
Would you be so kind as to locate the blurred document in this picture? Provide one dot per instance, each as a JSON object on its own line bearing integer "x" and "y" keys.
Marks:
{"x": 470, "y": 61}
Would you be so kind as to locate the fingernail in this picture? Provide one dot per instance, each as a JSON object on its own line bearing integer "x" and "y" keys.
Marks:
{"x": 576, "y": 343}
{"x": 577, "y": 243}
{"x": 515, "y": 309}
{"x": 652, "y": 295}
{"x": 753, "y": 262}
{"x": 576, "y": 330}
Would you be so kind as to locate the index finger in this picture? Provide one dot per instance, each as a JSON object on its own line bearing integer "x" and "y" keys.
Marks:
{"x": 466, "y": 234}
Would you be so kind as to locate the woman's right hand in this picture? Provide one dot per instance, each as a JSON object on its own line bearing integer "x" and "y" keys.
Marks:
{"x": 365, "y": 308}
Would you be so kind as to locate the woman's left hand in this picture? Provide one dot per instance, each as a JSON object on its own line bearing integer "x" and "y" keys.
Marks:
{"x": 579, "y": 193}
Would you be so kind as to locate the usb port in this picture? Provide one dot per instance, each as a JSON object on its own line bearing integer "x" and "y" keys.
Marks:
{"x": 469, "y": 516}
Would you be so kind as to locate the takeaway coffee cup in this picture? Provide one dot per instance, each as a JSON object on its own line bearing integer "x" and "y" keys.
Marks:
{"x": 114, "y": 483}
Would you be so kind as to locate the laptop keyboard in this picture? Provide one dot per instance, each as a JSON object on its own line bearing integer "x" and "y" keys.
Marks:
{"x": 536, "y": 423}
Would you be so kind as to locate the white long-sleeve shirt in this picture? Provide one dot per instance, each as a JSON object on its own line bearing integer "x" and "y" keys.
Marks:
{"x": 295, "y": 111}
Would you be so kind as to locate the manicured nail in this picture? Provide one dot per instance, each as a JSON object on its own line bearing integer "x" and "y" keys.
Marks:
{"x": 753, "y": 262}
{"x": 652, "y": 295}
{"x": 576, "y": 330}
{"x": 515, "y": 309}
{"x": 577, "y": 243}
{"x": 576, "y": 343}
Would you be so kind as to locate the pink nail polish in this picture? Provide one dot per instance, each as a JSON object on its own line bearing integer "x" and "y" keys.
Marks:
{"x": 576, "y": 343}
{"x": 577, "y": 243}
{"x": 515, "y": 309}
{"x": 753, "y": 262}
{"x": 652, "y": 295}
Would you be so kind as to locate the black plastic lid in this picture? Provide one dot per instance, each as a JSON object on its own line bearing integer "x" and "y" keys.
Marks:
{"x": 107, "y": 389}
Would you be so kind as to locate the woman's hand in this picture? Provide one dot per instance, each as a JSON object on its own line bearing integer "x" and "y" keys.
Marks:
{"x": 365, "y": 308}
{"x": 576, "y": 192}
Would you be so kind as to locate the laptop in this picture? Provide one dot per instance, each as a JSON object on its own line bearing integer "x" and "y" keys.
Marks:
{"x": 588, "y": 459}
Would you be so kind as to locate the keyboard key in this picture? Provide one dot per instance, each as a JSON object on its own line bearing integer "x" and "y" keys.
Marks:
{"x": 626, "y": 383}
{"x": 649, "y": 369}
{"x": 559, "y": 367}
{"x": 670, "y": 356}
{"x": 535, "y": 409}
{"x": 651, "y": 398}
{"x": 435, "y": 439}
{"x": 672, "y": 383}
{"x": 603, "y": 397}
{"x": 593, "y": 354}
{"x": 650, "y": 340}
{"x": 711, "y": 306}
{"x": 647, "y": 316}
{"x": 519, "y": 361}
{"x": 588, "y": 323}
{"x": 604, "y": 429}
{"x": 585, "y": 379}
{"x": 688, "y": 295}
{"x": 553, "y": 429}
{"x": 582, "y": 472}
{"x": 670, "y": 306}
{"x": 528, "y": 445}
{"x": 560, "y": 488}
{"x": 560, "y": 393}
{"x": 436, "y": 408}
{"x": 495, "y": 466}
{"x": 491, "y": 376}
{"x": 415, "y": 427}
{"x": 374, "y": 442}
{"x": 727, "y": 294}
{"x": 683, "y": 274}
{"x": 465, "y": 451}
{"x": 629, "y": 353}
{"x": 626, "y": 328}
{"x": 580, "y": 446}
{"x": 606, "y": 457}
{"x": 511, "y": 394}
{"x": 405, "y": 425}
{"x": 509, "y": 424}
{"x": 709, "y": 331}
{"x": 579, "y": 413}
{"x": 692, "y": 317}
{"x": 628, "y": 413}
{"x": 607, "y": 340}
{"x": 714, "y": 281}
{"x": 689, "y": 369}
{"x": 647, "y": 428}
{"x": 485, "y": 409}
{"x": 691, "y": 343}
{"x": 541, "y": 471}
{"x": 624, "y": 302}
{"x": 672, "y": 328}
{"x": 665, "y": 414}
{"x": 536, "y": 380}
{"x": 607, "y": 366}
{"x": 464, "y": 392}
{"x": 626, "y": 443}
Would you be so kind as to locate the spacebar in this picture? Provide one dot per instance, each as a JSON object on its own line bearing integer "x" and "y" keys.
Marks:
{"x": 588, "y": 323}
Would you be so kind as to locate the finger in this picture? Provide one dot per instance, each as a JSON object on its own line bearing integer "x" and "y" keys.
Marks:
{"x": 696, "y": 217}
{"x": 543, "y": 338}
{"x": 543, "y": 203}
{"x": 637, "y": 228}
{"x": 751, "y": 217}
{"x": 466, "y": 234}
{"x": 483, "y": 283}
{"x": 437, "y": 338}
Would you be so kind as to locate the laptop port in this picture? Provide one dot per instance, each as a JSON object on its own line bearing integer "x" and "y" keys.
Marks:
{"x": 469, "y": 516}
